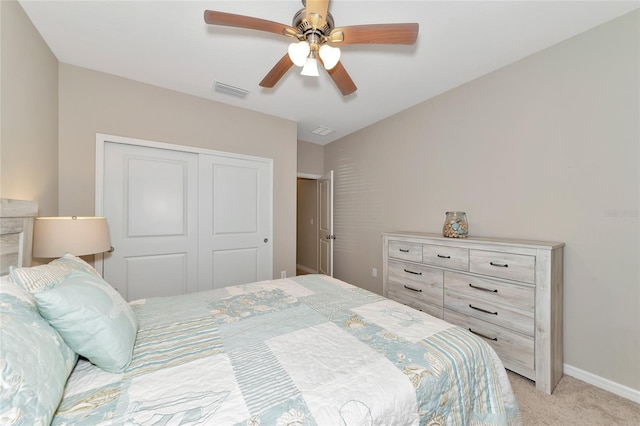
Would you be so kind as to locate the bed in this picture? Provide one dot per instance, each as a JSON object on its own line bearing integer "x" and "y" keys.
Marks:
{"x": 307, "y": 350}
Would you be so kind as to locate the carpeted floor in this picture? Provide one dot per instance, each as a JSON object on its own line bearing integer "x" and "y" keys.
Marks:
{"x": 573, "y": 402}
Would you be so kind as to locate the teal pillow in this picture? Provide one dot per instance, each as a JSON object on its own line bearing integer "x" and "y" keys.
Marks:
{"x": 92, "y": 318}
{"x": 34, "y": 360}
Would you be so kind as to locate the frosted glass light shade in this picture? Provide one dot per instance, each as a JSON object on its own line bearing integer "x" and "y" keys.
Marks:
{"x": 310, "y": 68}
{"x": 55, "y": 236}
{"x": 298, "y": 52}
{"x": 329, "y": 55}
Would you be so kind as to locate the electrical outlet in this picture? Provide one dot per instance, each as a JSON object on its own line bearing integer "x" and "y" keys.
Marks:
{"x": 283, "y": 274}
{"x": 374, "y": 272}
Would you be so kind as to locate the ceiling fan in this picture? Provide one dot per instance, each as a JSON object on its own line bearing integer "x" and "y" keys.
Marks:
{"x": 313, "y": 28}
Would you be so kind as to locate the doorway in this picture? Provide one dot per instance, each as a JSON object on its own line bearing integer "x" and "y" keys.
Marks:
{"x": 314, "y": 230}
{"x": 307, "y": 226}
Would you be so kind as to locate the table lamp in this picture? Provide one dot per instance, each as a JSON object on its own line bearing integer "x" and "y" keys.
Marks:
{"x": 80, "y": 236}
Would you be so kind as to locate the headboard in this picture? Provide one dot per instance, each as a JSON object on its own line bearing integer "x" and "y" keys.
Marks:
{"x": 16, "y": 232}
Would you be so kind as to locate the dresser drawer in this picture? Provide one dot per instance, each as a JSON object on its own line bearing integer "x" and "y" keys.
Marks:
{"x": 407, "y": 281}
{"x": 405, "y": 250}
{"x": 447, "y": 257}
{"x": 495, "y": 313}
{"x": 518, "y": 267}
{"x": 516, "y": 351}
{"x": 487, "y": 290}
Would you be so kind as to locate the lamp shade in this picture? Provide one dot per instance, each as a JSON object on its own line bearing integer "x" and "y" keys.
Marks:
{"x": 298, "y": 52}
{"x": 329, "y": 55}
{"x": 310, "y": 67}
{"x": 55, "y": 236}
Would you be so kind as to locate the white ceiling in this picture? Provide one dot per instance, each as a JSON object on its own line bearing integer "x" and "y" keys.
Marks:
{"x": 167, "y": 44}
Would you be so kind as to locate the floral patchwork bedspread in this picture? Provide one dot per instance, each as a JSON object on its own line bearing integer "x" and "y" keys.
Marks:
{"x": 309, "y": 350}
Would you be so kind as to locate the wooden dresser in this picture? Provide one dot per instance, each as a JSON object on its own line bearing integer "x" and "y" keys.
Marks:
{"x": 508, "y": 292}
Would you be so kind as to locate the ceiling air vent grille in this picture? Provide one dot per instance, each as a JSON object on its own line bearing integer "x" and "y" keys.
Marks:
{"x": 322, "y": 131}
{"x": 227, "y": 89}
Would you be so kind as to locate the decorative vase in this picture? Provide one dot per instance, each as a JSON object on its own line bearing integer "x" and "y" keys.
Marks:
{"x": 455, "y": 225}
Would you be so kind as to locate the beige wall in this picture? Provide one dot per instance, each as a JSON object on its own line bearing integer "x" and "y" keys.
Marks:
{"x": 307, "y": 227}
{"x": 29, "y": 112}
{"x": 92, "y": 102}
{"x": 310, "y": 158}
{"x": 545, "y": 148}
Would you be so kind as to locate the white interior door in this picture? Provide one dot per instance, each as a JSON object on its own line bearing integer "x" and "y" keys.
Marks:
{"x": 235, "y": 236}
{"x": 325, "y": 224}
{"x": 151, "y": 204}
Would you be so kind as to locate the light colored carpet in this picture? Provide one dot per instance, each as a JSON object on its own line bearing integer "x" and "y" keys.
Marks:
{"x": 573, "y": 402}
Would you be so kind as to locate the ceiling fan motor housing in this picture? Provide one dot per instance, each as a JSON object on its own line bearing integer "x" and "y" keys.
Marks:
{"x": 305, "y": 29}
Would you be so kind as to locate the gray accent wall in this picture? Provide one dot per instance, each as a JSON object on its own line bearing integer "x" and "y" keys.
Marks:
{"x": 546, "y": 148}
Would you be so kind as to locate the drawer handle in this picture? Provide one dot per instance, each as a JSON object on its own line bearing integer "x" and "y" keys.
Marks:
{"x": 482, "y": 310}
{"x": 483, "y": 289}
{"x": 412, "y": 272}
{"x": 444, "y": 257}
{"x": 501, "y": 265}
{"x": 414, "y": 289}
{"x": 404, "y": 250}
{"x": 495, "y": 339}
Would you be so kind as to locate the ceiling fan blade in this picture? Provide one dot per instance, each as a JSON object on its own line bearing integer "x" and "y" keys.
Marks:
{"x": 276, "y": 73}
{"x": 341, "y": 78}
{"x": 213, "y": 17}
{"x": 316, "y": 12}
{"x": 376, "y": 34}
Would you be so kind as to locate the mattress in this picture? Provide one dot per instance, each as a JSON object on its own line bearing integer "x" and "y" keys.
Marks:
{"x": 308, "y": 350}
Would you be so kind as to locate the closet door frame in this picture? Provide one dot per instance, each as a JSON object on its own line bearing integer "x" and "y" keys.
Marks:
{"x": 102, "y": 139}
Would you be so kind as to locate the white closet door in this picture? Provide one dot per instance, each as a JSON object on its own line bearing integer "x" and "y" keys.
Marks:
{"x": 151, "y": 205}
{"x": 235, "y": 221}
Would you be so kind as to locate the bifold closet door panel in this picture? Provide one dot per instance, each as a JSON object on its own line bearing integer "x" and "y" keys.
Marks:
{"x": 235, "y": 218}
{"x": 151, "y": 205}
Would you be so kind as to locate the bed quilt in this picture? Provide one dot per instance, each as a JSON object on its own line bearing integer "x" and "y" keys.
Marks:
{"x": 309, "y": 350}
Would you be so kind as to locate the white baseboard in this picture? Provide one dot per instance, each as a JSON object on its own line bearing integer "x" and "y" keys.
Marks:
{"x": 307, "y": 270}
{"x": 602, "y": 383}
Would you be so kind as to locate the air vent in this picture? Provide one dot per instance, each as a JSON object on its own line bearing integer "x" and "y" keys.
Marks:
{"x": 227, "y": 89}
{"x": 322, "y": 131}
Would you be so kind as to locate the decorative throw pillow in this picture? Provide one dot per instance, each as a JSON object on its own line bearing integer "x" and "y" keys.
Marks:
{"x": 37, "y": 278}
{"x": 92, "y": 318}
{"x": 34, "y": 360}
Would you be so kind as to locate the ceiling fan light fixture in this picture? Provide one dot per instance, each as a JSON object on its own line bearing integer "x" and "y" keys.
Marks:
{"x": 298, "y": 52}
{"x": 313, "y": 27}
{"x": 329, "y": 55}
{"x": 310, "y": 67}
